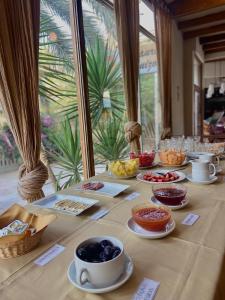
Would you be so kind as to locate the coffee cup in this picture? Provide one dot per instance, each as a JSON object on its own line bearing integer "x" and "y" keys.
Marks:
{"x": 100, "y": 274}
{"x": 202, "y": 170}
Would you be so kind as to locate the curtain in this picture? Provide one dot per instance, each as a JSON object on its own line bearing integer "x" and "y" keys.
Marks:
{"x": 163, "y": 26}
{"x": 127, "y": 22}
{"x": 19, "y": 41}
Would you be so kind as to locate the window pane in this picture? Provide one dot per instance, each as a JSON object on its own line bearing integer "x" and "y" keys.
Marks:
{"x": 149, "y": 94}
{"x": 106, "y": 93}
{"x": 58, "y": 104}
{"x": 147, "y": 18}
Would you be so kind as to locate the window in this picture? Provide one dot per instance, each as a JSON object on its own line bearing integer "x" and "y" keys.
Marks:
{"x": 106, "y": 94}
{"x": 146, "y": 18}
{"x": 58, "y": 104}
{"x": 149, "y": 107}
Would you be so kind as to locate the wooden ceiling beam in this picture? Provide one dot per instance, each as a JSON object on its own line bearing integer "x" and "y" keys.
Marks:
{"x": 220, "y": 16}
{"x": 204, "y": 31}
{"x": 214, "y": 45}
{"x": 215, "y": 59}
{"x": 212, "y": 38}
{"x": 186, "y": 7}
{"x": 221, "y": 49}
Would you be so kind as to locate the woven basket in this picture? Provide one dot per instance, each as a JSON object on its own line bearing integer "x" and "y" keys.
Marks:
{"x": 21, "y": 247}
{"x": 13, "y": 246}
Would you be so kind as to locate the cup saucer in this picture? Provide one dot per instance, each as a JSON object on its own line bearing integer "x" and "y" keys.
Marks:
{"x": 211, "y": 180}
{"x": 89, "y": 288}
{"x": 147, "y": 234}
{"x": 172, "y": 207}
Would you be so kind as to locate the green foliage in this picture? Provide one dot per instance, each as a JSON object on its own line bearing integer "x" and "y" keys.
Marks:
{"x": 110, "y": 142}
{"x": 104, "y": 74}
{"x": 68, "y": 154}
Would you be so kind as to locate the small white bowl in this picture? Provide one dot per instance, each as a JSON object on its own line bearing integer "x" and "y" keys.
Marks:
{"x": 100, "y": 274}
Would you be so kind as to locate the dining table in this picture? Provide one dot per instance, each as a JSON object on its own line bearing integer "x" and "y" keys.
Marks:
{"x": 189, "y": 264}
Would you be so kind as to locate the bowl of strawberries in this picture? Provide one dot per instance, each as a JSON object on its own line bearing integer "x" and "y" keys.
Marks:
{"x": 145, "y": 158}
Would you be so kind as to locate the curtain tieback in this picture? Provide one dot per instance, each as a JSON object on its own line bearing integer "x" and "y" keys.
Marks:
{"x": 132, "y": 135}
{"x": 31, "y": 183}
{"x": 132, "y": 131}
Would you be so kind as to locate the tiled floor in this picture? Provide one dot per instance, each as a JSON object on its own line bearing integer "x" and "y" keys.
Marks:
{"x": 8, "y": 190}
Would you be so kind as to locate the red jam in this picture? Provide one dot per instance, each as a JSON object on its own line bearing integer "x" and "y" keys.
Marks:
{"x": 170, "y": 195}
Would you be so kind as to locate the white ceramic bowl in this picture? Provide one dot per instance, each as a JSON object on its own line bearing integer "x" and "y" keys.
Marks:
{"x": 100, "y": 274}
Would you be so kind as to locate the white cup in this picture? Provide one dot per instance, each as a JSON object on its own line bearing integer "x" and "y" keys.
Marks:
{"x": 100, "y": 274}
{"x": 207, "y": 156}
{"x": 201, "y": 170}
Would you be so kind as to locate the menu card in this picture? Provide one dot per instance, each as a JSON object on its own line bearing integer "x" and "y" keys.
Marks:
{"x": 190, "y": 219}
{"x": 49, "y": 255}
{"x": 146, "y": 290}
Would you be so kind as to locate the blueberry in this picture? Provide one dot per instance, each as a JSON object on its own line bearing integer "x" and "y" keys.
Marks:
{"x": 82, "y": 253}
{"x": 93, "y": 250}
{"x": 116, "y": 253}
{"x": 105, "y": 243}
{"x": 108, "y": 250}
{"x": 102, "y": 256}
{"x": 117, "y": 248}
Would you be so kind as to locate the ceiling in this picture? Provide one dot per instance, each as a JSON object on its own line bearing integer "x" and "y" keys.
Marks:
{"x": 201, "y": 18}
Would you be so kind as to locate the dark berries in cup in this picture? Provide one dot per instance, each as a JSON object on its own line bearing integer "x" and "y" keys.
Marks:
{"x": 98, "y": 252}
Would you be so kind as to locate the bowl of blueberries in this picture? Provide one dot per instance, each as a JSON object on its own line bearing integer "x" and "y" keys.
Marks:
{"x": 99, "y": 261}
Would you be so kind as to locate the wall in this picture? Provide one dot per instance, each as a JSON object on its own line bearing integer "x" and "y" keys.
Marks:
{"x": 177, "y": 82}
{"x": 191, "y": 47}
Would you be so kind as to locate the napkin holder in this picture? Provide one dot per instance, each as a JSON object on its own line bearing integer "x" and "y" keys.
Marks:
{"x": 17, "y": 245}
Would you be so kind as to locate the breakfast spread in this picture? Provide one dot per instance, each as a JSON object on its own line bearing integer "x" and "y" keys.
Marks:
{"x": 152, "y": 218}
{"x": 154, "y": 177}
{"x": 98, "y": 252}
{"x": 172, "y": 157}
{"x": 71, "y": 206}
{"x": 94, "y": 186}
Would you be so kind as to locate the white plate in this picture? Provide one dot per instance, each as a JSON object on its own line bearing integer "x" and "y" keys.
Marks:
{"x": 147, "y": 234}
{"x": 87, "y": 287}
{"x": 181, "y": 175}
{"x": 185, "y": 163}
{"x": 49, "y": 202}
{"x": 109, "y": 189}
{"x": 149, "y": 167}
{"x": 172, "y": 207}
{"x": 211, "y": 180}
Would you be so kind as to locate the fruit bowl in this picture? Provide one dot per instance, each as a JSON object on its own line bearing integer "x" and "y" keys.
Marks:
{"x": 169, "y": 194}
{"x": 151, "y": 217}
{"x": 172, "y": 157}
{"x": 124, "y": 168}
{"x": 145, "y": 158}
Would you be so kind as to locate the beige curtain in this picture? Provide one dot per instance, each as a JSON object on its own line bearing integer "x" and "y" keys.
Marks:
{"x": 127, "y": 22}
{"x": 163, "y": 25}
{"x": 19, "y": 35}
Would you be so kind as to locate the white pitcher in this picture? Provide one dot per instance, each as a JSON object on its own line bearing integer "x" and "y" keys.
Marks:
{"x": 202, "y": 170}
